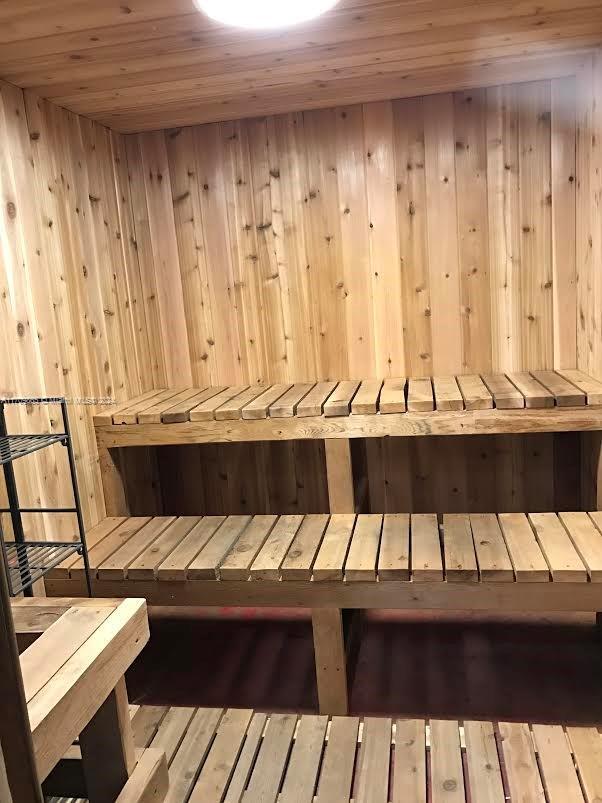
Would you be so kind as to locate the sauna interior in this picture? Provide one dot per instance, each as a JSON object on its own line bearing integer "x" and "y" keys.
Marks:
{"x": 300, "y": 401}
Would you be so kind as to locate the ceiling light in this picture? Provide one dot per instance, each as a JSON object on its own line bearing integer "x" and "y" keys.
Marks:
{"x": 264, "y": 13}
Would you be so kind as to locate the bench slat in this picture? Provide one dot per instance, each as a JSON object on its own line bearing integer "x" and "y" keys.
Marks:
{"x": 527, "y": 558}
{"x": 505, "y": 395}
{"x": 587, "y": 540}
{"x": 536, "y": 395}
{"x": 460, "y": 558}
{"x": 447, "y": 393}
{"x": 175, "y": 566}
{"x": 339, "y": 401}
{"x": 392, "y": 396}
{"x": 300, "y": 557}
{"x": 206, "y": 410}
{"x": 365, "y": 401}
{"x": 237, "y": 563}
{"x": 394, "y": 555}
{"x": 587, "y": 748}
{"x": 109, "y": 545}
{"x": 231, "y": 410}
{"x": 259, "y": 407}
{"x": 409, "y": 779}
{"x": 563, "y": 560}
{"x": 333, "y": 549}
{"x": 520, "y": 762}
{"x": 106, "y": 416}
{"x": 286, "y": 406}
{"x": 302, "y": 772}
{"x": 484, "y": 773}
{"x": 313, "y": 403}
{"x": 363, "y": 551}
{"x": 476, "y": 396}
{"x": 117, "y": 564}
{"x": 130, "y": 414}
{"x": 154, "y": 414}
{"x": 427, "y": 564}
{"x": 556, "y": 762}
{"x": 266, "y": 565}
{"x": 420, "y": 395}
{"x": 145, "y": 566}
{"x": 271, "y": 761}
{"x": 206, "y": 564}
{"x": 93, "y": 538}
{"x": 447, "y": 778}
{"x": 192, "y": 753}
{"x": 246, "y": 760}
{"x": 171, "y": 731}
{"x": 492, "y": 554}
{"x": 591, "y": 387}
{"x": 180, "y": 412}
{"x": 375, "y": 756}
{"x": 566, "y": 394}
{"x": 215, "y": 774}
{"x": 336, "y": 777}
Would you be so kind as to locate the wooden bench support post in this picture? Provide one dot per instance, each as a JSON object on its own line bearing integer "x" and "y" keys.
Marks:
{"x": 339, "y": 474}
{"x": 331, "y": 663}
{"x": 336, "y": 645}
{"x": 18, "y": 771}
{"x": 591, "y": 470}
{"x": 107, "y": 745}
{"x": 112, "y": 481}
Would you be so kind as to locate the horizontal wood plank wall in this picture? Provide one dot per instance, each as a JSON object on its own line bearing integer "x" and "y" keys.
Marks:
{"x": 73, "y": 317}
{"x": 424, "y": 236}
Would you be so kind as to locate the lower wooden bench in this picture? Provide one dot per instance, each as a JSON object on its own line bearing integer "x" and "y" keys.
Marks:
{"x": 241, "y": 756}
{"x": 330, "y": 564}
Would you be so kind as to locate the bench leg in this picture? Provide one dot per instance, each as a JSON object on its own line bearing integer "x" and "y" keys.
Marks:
{"x": 112, "y": 482}
{"x": 339, "y": 474}
{"x": 107, "y": 745}
{"x": 591, "y": 470}
{"x": 336, "y": 645}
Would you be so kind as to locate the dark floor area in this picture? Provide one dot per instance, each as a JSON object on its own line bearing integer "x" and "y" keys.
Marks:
{"x": 459, "y": 665}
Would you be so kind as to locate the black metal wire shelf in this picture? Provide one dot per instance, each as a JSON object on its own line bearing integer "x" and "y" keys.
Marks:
{"x": 30, "y": 561}
{"x": 15, "y": 446}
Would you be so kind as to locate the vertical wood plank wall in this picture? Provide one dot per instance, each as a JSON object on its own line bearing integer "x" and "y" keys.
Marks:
{"x": 72, "y": 305}
{"x": 449, "y": 233}
{"x": 420, "y": 236}
{"x": 589, "y": 218}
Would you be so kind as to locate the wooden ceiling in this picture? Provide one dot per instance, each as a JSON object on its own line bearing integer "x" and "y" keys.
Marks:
{"x": 145, "y": 64}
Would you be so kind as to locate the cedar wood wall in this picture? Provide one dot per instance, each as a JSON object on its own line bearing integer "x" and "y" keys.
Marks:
{"x": 450, "y": 233}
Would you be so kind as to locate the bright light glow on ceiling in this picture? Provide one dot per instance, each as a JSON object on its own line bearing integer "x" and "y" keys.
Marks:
{"x": 264, "y": 13}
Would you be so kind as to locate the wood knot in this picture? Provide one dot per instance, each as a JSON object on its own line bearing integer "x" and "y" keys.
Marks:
{"x": 11, "y": 210}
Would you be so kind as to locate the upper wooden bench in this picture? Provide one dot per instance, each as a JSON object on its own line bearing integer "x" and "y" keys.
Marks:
{"x": 521, "y": 402}
{"x": 242, "y": 756}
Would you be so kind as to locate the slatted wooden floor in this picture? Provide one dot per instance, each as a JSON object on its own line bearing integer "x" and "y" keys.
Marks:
{"x": 461, "y": 548}
{"x": 239, "y": 756}
{"x": 534, "y": 390}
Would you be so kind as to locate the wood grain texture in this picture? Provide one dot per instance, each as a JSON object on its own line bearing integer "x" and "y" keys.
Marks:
{"x": 139, "y": 67}
{"x": 73, "y": 302}
{"x": 247, "y": 252}
{"x": 589, "y": 215}
{"x": 289, "y": 233}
